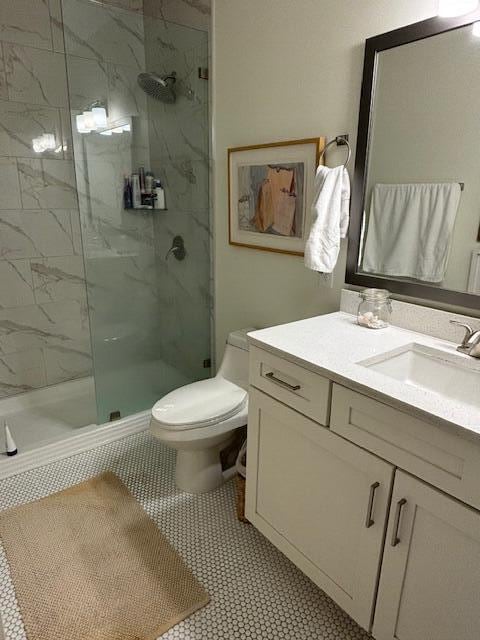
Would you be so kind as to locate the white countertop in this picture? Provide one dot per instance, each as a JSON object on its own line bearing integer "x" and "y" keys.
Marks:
{"x": 333, "y": 345}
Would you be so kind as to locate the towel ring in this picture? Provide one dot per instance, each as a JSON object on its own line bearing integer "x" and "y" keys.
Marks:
{"x": 339, "y": 140}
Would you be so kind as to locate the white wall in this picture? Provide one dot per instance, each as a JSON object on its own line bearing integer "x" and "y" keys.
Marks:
{"x": 285, "y": 69}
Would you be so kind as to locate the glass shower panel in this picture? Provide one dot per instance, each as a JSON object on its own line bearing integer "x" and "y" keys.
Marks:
{"x": 149, "y": 315}
{"x": 179, "y": 153}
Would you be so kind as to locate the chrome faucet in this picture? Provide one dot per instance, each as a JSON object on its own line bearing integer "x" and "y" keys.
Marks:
{"x": 471, "y": 342}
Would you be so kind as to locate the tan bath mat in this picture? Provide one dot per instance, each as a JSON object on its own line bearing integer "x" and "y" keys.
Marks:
{"x": 89, "y": 564}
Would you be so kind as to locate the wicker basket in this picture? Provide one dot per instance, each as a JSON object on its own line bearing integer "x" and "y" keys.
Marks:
{"x": 240, "y": 483}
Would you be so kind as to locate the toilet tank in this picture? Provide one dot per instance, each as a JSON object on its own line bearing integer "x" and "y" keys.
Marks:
{"x": 234, "y": 365}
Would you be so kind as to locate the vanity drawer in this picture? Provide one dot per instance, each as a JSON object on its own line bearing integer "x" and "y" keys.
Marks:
{"x": 425, "y": 450}
{"x": 300, "y": 389}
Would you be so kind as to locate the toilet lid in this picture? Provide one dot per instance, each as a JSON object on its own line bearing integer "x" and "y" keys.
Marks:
{"x": 200, "y": 404}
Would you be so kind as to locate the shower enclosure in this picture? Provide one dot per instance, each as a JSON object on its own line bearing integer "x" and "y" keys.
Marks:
{"x": 138, "y": 83}
{"x": 149, "y": 315}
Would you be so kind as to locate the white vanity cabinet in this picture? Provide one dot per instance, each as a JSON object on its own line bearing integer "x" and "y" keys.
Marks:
{"x": 430, "y": 580}
{"x": 320, "y": 499}
{"x": 327, "y": 484}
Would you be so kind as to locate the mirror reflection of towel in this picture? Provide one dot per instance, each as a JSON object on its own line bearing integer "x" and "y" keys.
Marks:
{"x": 410, "y": 230}
{"x": 276, "y": 202}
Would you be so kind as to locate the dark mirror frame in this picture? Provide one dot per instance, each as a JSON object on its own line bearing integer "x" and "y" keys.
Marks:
{"x": 397, "y": 38}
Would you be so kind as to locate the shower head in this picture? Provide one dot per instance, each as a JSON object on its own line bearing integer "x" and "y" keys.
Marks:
{"x": 159, "y": 87}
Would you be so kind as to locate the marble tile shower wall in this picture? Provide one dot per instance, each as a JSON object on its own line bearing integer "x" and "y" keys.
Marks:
{"x": 189, "y": 13}
{"x": 44, "y": 319}
{"x": 44, "y": 329}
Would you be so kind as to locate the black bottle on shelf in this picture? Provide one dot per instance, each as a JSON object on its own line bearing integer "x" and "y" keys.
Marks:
{"x": 141, "y": 173}
{"x": 127, "y": 194}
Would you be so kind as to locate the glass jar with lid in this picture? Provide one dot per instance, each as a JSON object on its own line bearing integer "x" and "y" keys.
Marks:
{"x": 375, "y": 308}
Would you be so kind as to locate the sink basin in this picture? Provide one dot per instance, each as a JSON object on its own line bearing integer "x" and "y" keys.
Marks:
{"x": 452, "y": 376}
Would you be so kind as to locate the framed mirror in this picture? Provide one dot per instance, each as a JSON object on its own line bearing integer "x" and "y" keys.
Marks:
{"x": 415, "y": 224}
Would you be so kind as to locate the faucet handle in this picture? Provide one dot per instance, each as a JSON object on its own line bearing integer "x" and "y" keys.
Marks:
{"x": 468, "y": 331}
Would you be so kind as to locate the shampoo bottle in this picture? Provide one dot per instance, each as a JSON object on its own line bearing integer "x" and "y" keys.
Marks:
{"x": 159, "y": 196}
{"x": 149, "y": 182}
{"x": 141, "y": 176}
{"x": 136, "y": 193}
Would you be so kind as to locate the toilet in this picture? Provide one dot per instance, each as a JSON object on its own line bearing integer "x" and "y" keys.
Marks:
{"x": 200, "y": 419}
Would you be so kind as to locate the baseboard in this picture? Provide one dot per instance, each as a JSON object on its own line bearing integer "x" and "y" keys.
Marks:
{"x": 75, "y": 444}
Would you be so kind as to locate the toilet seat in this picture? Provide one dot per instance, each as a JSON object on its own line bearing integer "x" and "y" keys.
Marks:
{"x": 200, "y": 404}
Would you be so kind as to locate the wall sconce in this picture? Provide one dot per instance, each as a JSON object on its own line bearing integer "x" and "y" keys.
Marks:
{"x": 92, "y": 120}
{"x": 99, "y": 117}
{"x": 452, "y": 8}
{"x": 81, "y": 124}
{"x": 46, "y": 142}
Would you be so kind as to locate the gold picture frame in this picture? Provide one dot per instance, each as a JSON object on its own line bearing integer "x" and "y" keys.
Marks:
{"x": 270, "y": 192}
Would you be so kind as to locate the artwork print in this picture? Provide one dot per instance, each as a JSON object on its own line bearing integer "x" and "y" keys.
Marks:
{"x": 270, "y": 194}
{"x": 271, "y": 199}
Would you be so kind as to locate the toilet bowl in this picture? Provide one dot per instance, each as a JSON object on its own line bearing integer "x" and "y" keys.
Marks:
{"x": 200, "y": 419}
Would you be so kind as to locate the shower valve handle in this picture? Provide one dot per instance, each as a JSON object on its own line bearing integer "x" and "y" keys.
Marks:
{"x": 177, "y": 249}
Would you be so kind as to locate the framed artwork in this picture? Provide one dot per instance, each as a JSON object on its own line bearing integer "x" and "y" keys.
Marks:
{"x": 270, "y": 190}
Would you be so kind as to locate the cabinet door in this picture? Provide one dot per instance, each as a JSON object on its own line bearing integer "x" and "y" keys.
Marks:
{"x": 320, "y": 499}
{"x": 430, "y": 581}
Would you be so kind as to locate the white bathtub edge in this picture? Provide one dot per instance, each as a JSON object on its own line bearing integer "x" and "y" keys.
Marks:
{"x": 75, "y": 444}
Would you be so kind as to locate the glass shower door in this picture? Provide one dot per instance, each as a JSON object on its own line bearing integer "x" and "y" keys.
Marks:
{"x": 149, "y": 314}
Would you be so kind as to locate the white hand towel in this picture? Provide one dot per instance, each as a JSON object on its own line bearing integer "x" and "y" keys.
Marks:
{"x": 410, "y": 230}
{"x": 331, "y": 213}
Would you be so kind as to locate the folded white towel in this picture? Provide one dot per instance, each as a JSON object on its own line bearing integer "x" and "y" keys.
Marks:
{"x": 410, "y": 230}
{"x": 330, "y": 213}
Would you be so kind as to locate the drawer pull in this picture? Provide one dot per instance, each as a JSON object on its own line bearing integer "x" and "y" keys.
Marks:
{"x": 369, "y": 521}
{"x": 271, "y": 376}
{"x": 396, "y": 525}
